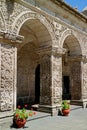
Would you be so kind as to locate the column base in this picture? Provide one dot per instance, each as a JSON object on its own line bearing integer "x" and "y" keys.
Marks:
{"x": 6, "y": 114}
{"x": 82, "y": 102}
{"x": 53, "y": 110}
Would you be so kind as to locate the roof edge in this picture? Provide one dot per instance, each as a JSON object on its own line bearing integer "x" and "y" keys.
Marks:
{"x": 73, "y": 11}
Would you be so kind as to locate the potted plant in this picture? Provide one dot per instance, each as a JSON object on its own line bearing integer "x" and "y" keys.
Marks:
{"x": 20, "y": 117}
{"x": 65, "y": 107}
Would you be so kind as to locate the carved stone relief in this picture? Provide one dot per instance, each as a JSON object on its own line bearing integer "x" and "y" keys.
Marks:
{"x": 84, "y": 45}
{"x": 57, "y": 79}
{"x": 11, "y": 11}
{"x": 32, "y": 15}
{"x": 58, "y": 28}
{"x": 84, "y": 70}
{"x": 2, "y": 22}
{"x": 7, "y": 77}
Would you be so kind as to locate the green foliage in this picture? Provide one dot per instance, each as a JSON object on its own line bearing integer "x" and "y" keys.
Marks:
{"x": 21, "y": 114}
{"x": 65, "y": 104}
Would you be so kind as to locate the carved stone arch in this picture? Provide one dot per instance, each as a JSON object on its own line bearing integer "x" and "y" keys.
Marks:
{"x": 69, "y": 33}
{"x": 27, "y": 15}
{"x": 2, "y": 21}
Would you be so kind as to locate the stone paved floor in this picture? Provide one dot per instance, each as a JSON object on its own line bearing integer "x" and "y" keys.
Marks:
{"x": 77, "y": 120}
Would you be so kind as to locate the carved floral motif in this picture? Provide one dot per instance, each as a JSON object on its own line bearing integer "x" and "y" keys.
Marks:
{"x": 58, "y": 29}
{"x": 7, "y": 69}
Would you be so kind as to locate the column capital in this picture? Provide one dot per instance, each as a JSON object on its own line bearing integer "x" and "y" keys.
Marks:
{"x": 58, "y": 51}
{"x": 12, "y": 37}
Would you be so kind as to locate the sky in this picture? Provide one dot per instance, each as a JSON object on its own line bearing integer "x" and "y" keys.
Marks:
{"x": 80, "y": 4}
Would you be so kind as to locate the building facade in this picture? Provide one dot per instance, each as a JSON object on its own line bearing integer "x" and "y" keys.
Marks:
{"x": 43, "y": 54}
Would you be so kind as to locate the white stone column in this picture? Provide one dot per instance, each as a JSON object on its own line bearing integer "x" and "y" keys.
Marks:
{"x": 8, "y": 75}
{"x": 51, "y": 81}
{"x": 8, "y": 78}
{"x": 56, "y": 61}
{"x": 15, "y": 79}
{"x": 84, "y": 79}
{"x": 56, "y": 79}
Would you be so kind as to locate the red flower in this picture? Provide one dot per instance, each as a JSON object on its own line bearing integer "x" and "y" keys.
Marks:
{"x": 19, "y": 107}
{"x": 34, "y": 113}
{"x": 16, "y": 115}
{"x": 25, "y": 105}
{"x": 30, "y": 114}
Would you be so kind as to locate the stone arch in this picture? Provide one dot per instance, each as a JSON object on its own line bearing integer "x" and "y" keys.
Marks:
{"x": 71, "y": 65}
{"x": 66, "y": 34}
{"x": 31, "y": 25}
{"x": 2, "y": 21}
{"x": 27, "y": 15}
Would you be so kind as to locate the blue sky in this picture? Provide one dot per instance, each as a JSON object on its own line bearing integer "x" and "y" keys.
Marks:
{"x": 80, "y": 4}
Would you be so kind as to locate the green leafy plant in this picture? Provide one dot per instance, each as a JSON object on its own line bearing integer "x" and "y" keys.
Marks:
{"x": 22, "y": 114}
{"x": 65, "y": 104}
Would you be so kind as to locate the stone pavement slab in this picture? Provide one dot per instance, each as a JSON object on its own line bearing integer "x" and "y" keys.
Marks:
{"x": 77, "y": 120}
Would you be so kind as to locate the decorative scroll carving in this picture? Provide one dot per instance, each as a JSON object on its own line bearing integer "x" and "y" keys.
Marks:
{"x": 11, "y": 11}
{"x": 58, "y": 29}
{"x": 32, "y": 15}
{"x": 7, "y": 66}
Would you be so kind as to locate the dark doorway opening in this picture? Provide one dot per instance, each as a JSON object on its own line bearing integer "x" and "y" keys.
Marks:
{"x": 66, "y": 88}
{"x": 37, "y": 84}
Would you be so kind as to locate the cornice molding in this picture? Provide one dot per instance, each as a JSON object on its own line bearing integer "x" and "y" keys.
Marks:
{"x": 11, "y": 36}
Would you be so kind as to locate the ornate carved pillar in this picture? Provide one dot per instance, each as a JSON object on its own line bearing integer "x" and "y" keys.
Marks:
{"x": 8, "y": 68}
{"x": 84, "y": 78}
{"x": 7, "y": 77}
{"x": 57, "y": 78}
{"x": 51, "y": 81}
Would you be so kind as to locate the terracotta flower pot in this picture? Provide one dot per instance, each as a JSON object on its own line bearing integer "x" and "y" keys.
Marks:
{"x": 65, "y": 112}
{"x": 20, "y": 123}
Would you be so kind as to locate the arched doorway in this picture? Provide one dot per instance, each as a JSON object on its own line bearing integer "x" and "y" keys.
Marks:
{"x": 71, "y": 69}
{"x": 36, "y": 38}
{"x": 37, "y": 84}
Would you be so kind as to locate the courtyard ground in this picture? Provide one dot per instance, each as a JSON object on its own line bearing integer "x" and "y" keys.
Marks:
{"x": 77, "y": 120}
